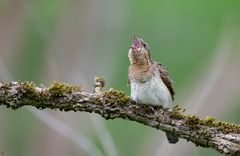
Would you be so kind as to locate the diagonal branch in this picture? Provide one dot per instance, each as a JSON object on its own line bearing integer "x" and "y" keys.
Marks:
{"x": 209, "y": 132}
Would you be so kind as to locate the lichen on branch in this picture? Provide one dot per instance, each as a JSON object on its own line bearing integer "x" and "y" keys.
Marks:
{"x": 208, "y": 132}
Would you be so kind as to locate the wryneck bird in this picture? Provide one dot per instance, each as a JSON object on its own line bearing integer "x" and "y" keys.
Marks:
{"x": 149, "y": 80}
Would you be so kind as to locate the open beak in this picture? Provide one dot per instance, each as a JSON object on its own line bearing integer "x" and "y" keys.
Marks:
{"x": 136, "y": 43}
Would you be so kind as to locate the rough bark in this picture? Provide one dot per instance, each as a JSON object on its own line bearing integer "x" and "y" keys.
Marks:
{"x": 209, "y": 132}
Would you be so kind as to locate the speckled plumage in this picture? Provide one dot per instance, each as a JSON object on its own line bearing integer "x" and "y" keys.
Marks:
{"x": 149, "y": 80}
{"x": 152, "y": 91}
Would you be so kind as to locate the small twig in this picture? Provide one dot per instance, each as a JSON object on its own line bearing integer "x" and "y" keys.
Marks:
{"x": 98, "y": 85}
{"x": 209, "y": 132}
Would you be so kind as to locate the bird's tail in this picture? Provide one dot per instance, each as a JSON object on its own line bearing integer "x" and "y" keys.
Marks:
{"x": 172, "y": 139}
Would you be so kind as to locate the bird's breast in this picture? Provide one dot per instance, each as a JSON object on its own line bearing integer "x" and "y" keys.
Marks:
{"x": 153, "y": 91}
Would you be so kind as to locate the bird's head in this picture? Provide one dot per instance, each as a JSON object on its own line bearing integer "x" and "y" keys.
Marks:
{"x": 139, "y": 52}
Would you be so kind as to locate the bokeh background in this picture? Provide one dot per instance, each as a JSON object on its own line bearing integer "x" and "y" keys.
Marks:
{"x": 73, "y": 41}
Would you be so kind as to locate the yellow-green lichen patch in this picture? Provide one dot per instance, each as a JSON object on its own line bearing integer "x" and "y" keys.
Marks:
{"x": 193, "y": 121}
{"x": 209, "y": 121}
{"x": 29, "y": 88}
{"x": 227, "y": 127}
{"x": 59, "y": 88}
{"x": 116, "y": 97}
{"x": 177, "y": 112}
{"x": 221, "y": 125}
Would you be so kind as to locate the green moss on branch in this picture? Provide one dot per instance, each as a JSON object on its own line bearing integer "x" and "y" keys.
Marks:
{"x": 208, "y": 132}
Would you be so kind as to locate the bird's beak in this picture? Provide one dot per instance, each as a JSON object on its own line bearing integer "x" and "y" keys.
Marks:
{"x": 134, "y": 36}
{"x": 136, "y": 43}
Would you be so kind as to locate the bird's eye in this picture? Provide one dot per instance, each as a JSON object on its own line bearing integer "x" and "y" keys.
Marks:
{"x": 144, "y": 45}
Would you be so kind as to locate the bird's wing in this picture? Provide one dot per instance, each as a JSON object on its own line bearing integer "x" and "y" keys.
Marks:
{"x": 165, "y": 77}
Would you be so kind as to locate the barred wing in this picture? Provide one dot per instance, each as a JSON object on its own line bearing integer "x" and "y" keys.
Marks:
{"x": 165, "y": 77}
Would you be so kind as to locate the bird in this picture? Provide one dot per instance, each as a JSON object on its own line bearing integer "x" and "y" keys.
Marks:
{"x": 149, "y": 80}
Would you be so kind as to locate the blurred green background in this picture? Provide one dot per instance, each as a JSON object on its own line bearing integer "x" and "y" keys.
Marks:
{"x": 73, "y": 41}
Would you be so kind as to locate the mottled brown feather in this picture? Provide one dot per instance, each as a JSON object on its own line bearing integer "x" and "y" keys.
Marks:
{"x": 165, "y": 77}
{"x": 129, "y": 82}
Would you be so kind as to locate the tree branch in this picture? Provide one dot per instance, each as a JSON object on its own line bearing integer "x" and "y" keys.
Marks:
{"x": 209, "y": 132}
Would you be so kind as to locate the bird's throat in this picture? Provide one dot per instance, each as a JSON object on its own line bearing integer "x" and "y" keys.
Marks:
{"x": 140, "y": 72}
